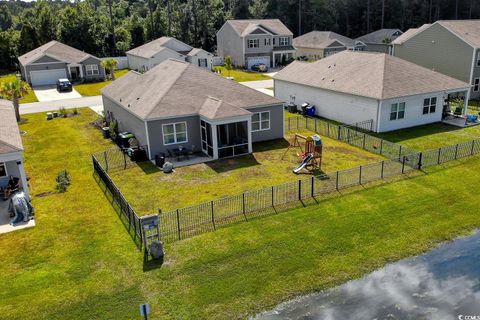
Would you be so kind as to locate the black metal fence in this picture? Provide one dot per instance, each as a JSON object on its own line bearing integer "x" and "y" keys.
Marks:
{"x": 113, "y": 158}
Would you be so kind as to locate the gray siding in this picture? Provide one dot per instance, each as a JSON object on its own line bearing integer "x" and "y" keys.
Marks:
{"x": 438, "y": 49}
{"x": 276, "y": 124}
{"x": 156, "y": 135}
{"x": 126, "y": 120}
{"x": 229, "y": 43}
{"x": 476, "y": 74}
{"x": 262, "y": 48}
{"x": 39, "y": 67}
{"x": 101, "y": 70}
{"x": 373, "y": 47}
{"x": 46, "y": 59}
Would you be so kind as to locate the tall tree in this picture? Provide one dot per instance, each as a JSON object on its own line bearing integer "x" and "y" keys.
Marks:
{"x": 258, "y": 9}
{"x": 14, "y": 90}
{"x": 6, "y": 21}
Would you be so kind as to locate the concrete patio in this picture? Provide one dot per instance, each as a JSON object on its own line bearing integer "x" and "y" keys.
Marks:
{"x": 459, "y": 122}
{"x": 5, "y": 225}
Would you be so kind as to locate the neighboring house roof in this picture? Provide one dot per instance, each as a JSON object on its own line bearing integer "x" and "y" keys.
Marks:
{"x": 374, "y": 75}
{"x": 56, "y": 50}
{"x": 10, "y": 140}
{"x": 468, "y": 30}
{"x": 322, "y": 40}
{"x": 188, "y": 90}
{"x": 245, "y": 27}
{"x": 196, "y": 51}
{"x": 409, "y": 33}
{"x": 378, "y": 37}
{"x": 149, "y": 49}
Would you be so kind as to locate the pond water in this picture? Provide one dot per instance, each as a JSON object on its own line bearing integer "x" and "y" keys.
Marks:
{"x": 441, "y": 284}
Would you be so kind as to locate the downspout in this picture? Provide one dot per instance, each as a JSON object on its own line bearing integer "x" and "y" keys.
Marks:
{"x": 377, "y": 122}
{"x": 148, "y": 141}
{"x": 472, "y": 68}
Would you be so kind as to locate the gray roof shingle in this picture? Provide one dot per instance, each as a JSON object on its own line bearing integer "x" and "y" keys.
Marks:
{"x": 57, "y": 50}
{"x": 244, "y": 27}
{"x": 175, "y": 88}
{"x": 368, "y": 74}
{"x": 321, "y": 40}
{"x": 10, "y": 140}
{"x": 153, "y": 47}
{"x": 377, "y": 37}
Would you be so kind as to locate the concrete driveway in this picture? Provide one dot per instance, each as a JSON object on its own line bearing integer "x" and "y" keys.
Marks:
{"x": 260, "y": 84}
{"x": 50, "y": 93}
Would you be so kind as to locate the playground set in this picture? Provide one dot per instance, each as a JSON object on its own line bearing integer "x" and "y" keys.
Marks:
{"x": 311, "y": 156}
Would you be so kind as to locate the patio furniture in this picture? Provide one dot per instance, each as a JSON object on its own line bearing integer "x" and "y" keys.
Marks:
{"x": 458, "y": 112}
{"x": 181, "y": 152}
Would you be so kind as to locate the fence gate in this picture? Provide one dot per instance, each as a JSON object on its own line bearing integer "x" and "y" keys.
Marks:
{"x": 151, "y": 230}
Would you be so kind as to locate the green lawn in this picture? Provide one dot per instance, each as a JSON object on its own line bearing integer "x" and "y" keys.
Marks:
{"x": 80, "y": 263}
{"x": 93, "y": 89}
{"x": 148, "y": 188}
{"x": 242, "y": 75}
{"x": 30, "y": 97}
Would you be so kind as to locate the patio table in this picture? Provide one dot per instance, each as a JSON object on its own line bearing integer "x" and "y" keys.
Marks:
{"x": 184, "y": 152}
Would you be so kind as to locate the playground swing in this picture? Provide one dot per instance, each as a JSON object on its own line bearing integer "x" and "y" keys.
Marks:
{"x": 311, "y": 158}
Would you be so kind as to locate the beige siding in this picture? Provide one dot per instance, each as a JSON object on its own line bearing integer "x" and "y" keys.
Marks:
{"x": 438, "y": 49}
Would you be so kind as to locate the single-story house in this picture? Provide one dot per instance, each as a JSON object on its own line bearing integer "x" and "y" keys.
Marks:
{"x": 178, "y": 104}
{"x": 380, "y": 40}
{"x": 352, "y": 87}
{"x": 11, "y": 148}
{"x": 317, "y": 45}
{"x": 54, "y": 60}
{"x": 147, "y": 56}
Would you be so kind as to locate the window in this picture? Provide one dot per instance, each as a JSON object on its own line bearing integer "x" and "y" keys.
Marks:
{"x": 202, "y": 62}
{"x": 397, "y": 111}
{"x": 174, "y": 133}
{"x": 283, "y": 41}
{"x": 3, "y": 170}
{"x": 476, "y": 84}
{"x": 267, "y": 41}
{"x": 92, "y": 69}
{"x": 478, "y": 59}
{"x": 429, "y": 105}
{"x": 253, "y": 43}
{"x": 261, "y": 121}
{"x": 273, "y": 41}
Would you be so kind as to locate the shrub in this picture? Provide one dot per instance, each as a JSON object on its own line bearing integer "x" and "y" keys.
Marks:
{"x": 75, "y": 111}
{"x": 113, "y": 129}
{"x": 63, "y": 181}
{"x": 63, "y": 112}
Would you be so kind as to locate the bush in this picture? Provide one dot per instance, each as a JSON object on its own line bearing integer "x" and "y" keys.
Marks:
{"x": 63, "y": 181}
{"x": 113, "y": 130}
{"x": 75, "y": 111}
{"x": 63, "y": 112}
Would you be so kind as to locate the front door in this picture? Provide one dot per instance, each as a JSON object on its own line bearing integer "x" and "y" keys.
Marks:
{"x": 206, "y": 137}
{"x": 74, "y": 73}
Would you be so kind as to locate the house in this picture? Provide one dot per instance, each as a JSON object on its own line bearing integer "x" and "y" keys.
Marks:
{"x": 249, "y": 42}
{"x": 380, "y": 40}
{"x": 192, "y": 108}
{"x": 11, "y": 148}
{"x": 451, "y": 47}
{"x": 150, "y": 54}
{"x": 317, "y": 45}
{"x": 54, "y": 60}
{"x": 352, "y": 87}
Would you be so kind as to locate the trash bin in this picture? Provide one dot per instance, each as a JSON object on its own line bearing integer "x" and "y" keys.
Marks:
{"x": 160, "y": 160}
{"x": 137, "y": 154}
{"x": 106, "y": 132}
{"x": 304, "y": 108}
{"x": 311, "y": 111}
{"x": 292, "y": 108}
{"x": 123, "y": 138}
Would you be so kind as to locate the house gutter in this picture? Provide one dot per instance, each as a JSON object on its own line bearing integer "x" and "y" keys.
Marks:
{"x": 148, "y": 141}
{"x": 377, "y": 124}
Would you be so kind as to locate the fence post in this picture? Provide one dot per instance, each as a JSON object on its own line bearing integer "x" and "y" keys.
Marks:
{"x": 124, "y": 161}
{"x": 420, "y": 158}
{"x": 300, "y": 190}
{"x": 336, "y": 182}
{"x": 328, "y": 129}
{"x": 297, "y": 122}
{"x": 313, "y": 186}
{"x": 473, "y": 147}
{"x": 106, "y": 160}
{"x": 243, "y": 206}
{"x": 403, "y": 165}
{"x": 273, "y": 198}
{"x": 339, "y": 132}
{"x": 348, "y": 135}
{"x": 400, "y": 152}
{"x": 360, "y": 176}
{"x": 178, "y": 224}
{"x": 439, "y": 154}
{"x": 364, "y": 137}
{"x": 213, "y": 216}
{"x": 383, "y": 165}
{"x": 289, "y": 124}
{"x": 381, "y": 146}
{"x": 456, "y": 151}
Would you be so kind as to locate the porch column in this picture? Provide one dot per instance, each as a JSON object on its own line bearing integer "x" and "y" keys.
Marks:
{"x": 69, "y": 75}
{"x": 23, "y": 177}
{"x": 465, "y": 102}
{"x": 81, "y": 71}
{"x": 249, "y": 128}
{"x": 215, "y": 141}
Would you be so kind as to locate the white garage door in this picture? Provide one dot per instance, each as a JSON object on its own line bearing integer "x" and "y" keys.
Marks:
{"x": 46, "y": 77}
{"x": 254, "y": 60}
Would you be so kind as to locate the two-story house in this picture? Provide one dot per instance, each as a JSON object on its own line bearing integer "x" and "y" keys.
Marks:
{"x": 451, "y": 47}
{"x": 316, "y": 45}
{"x": 249, "y": 42}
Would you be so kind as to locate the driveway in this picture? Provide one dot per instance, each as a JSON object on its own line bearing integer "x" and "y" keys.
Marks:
{"x": 260, "y": 84}
{"x": 50, "y": 93}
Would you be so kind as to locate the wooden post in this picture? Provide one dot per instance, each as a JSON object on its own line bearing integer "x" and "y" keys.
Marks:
{"x": 213, "y": 216}
{"x": 178, "y": 224}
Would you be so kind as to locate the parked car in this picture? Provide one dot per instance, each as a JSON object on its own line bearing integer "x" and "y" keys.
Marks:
{"x": 260, "y": 67}
{"x": 64, "y": 85}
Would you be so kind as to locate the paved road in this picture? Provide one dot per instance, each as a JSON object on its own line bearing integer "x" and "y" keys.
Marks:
{"x": 260, "y": 84}
{"x": 34, "y": 107}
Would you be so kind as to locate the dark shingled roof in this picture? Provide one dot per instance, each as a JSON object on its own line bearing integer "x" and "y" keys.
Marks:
{"x": 10, "y": 140}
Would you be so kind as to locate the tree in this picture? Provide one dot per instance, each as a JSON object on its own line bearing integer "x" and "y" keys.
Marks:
{"x": 228, "y": 64}
{"x": 6, "y": 21}
{"x": 14, "y": 90}
{"x": 258, "y": 9}
{"x": 110, "y": 65}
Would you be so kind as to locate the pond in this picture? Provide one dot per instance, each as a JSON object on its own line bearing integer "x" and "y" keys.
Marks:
{"x": 441, "y": 284}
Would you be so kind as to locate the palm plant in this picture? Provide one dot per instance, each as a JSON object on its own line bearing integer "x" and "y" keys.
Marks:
{"x": 14, "y": 90}
{"x": 110, "y": 65}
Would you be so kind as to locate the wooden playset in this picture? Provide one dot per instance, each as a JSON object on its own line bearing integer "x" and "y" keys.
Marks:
{"x": 311, "y": 156}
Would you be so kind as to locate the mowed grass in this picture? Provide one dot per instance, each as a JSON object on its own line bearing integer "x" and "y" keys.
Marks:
{"x": 242, "y": 75}
{"x": 80, "y": 263}
{"x": 432, "y": 136}
{"x": 271, "y": 163}
{"x": 29, "y": 97}
{"x": 93, "y": 89}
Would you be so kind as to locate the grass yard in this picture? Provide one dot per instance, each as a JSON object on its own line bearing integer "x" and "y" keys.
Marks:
{"x": 242, "y": 75}
{"x": 30, "y": 97}
{"x": 148, "y": 189}
{"x": 93, "y": 89}
{"x": 431, "y": 136}
{"x": 80, "y": 263}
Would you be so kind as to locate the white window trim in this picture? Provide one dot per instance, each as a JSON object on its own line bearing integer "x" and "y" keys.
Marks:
{"x": 174, "y": 133}
{"x": 397, "y": 111}
{"x": 475, "y": 84}
{"x": 256, "y": 43}
{"x": 283, "y": 41}
{"x": 260, "y": 121}
{"x": 5, "y": 166}
{"x": 478, "y": 59}
{"x": 430, "y": 105}
{"x": 93, "y": 69}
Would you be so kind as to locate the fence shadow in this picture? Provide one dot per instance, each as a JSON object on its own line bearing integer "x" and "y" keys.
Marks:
{"x": 398, "y": 136}
{"x": 148, "y": 167}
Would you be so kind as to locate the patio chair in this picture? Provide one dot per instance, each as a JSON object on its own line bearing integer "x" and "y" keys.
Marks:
{"x": 458, "y": 112}
{"x": 170, "y": 154}
{"x": 191, "y": 152}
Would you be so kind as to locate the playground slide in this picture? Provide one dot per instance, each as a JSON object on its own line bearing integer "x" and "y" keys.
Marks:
{"x": 303, "y": 164}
